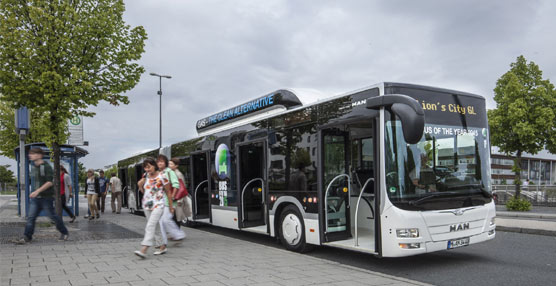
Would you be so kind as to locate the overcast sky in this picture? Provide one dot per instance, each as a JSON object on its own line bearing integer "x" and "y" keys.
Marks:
{"x": 223, "y": 53}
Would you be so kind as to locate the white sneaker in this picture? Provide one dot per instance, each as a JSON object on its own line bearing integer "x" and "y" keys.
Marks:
{"x": 160, "y": 252}
{"x": 140, "y": 254}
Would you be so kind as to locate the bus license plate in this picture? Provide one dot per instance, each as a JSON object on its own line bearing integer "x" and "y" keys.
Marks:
{"x": 458, "y": 242}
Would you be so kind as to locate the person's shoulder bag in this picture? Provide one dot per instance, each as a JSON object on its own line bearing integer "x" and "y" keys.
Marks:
{"x": 182, "y": 191}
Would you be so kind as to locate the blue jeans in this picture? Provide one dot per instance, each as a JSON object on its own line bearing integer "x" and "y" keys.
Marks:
{"x": 35, "y": 207}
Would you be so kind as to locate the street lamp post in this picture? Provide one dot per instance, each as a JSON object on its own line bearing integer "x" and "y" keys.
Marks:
{"x": 160, "y": 105}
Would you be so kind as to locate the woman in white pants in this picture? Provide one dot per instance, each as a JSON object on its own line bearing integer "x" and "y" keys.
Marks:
{"x": 156, "y": 192}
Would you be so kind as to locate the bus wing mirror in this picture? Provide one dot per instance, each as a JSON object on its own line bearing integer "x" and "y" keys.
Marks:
{"x": 413, "y": 124}
{"x": 407, "y": 109}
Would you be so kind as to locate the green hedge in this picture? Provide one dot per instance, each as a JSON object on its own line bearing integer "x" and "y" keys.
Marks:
{"x": 516, "y": 204}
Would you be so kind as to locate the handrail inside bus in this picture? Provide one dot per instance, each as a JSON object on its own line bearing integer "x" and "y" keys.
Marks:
{"x": 326, "y": 196}
{"x": 205, "y": 181}
{"x": 243, "y": 192}
{"x": 357, "y": 208}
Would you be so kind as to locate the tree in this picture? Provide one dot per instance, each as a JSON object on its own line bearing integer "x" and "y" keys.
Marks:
{"x": 9, "y": 140}
{"x": 6, "y": 175}
{"x": 113, "y": 169}
{"x": 82, "y": 173}
{"x": 59, "y": 57}
{"x": 525, "y": 116}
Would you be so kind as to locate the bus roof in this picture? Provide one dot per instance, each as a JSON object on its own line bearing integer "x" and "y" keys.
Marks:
{"x": 271, "y": 104}
{"x": 296, "y": 98}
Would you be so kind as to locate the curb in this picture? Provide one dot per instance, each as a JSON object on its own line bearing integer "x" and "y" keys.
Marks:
{"x": 526, "y": 230}
{"x": 526, "y": 215}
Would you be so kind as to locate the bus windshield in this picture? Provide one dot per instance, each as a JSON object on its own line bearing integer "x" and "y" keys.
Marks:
{"x": 448, "y": 168}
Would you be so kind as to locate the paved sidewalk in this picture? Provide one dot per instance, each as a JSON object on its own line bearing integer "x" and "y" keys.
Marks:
{"x": 540, "y": 220}
{"x": 534, "y": 209}
{"x": 530, "y": 226}
{"x": 203, "y": 259}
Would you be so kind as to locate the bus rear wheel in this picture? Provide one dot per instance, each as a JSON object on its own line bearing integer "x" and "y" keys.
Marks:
{"x": 292, "y": 229}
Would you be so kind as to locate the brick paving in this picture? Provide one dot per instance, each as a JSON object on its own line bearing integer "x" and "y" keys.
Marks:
{"x": 203, "y": 259}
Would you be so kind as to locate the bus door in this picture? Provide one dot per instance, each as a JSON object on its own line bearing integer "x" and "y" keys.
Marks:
{"x": 200, "y": 185}
{"x": 335, "y": 184}
{"x": 138, "y": 195}
{"x": 362, "y": 146}
{"x": 184, "y": 167}
{"x": 251, "y": 163}
{"x": 123, "y": 178}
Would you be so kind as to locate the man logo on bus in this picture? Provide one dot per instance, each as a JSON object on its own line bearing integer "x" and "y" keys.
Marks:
{"x": 222, "y": 161}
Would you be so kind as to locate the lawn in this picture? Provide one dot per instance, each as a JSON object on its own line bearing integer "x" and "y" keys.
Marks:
{"x": 8, "y": 193}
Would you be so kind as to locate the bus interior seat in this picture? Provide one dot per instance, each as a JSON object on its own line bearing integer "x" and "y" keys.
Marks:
{"x": 427, "y": 177}
{"x": 335, "y": 201}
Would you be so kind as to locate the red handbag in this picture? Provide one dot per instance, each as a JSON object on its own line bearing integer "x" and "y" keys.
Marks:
{"x": 182, "y": 191}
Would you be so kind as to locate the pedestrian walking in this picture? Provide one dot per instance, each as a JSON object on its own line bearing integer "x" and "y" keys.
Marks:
{"x": 65, "y": 184}
{"x": 41, "y": 197}
{"x": 103, "y": 184}
{"x": 116, "y": 187}
{"x": 92, "y": 191}
{"x": 168, "y": 225}
{"x": 183, "y": 208}
{"x": 157, "y": 192}
{"x": 526, "y": 185}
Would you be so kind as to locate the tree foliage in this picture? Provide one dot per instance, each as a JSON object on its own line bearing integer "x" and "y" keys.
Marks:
{"x": 58, "y": 57}
{"x": 64, "y": 56}
{"x": 113, "y": 169}
{"x": 525, "y": 116}
{"x": 6, "y": 175}
{"x": 82, "y": 173}
{"x": 9, "y": 140}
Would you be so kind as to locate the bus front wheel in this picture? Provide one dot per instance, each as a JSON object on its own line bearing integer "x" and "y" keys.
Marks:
{"x": 292, "y": 229}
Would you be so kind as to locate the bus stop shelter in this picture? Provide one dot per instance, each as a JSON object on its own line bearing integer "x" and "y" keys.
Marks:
{"x": 69, "y": 156}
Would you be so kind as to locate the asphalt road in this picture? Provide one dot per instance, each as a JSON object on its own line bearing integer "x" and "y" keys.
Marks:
{"x": 509, "y": 259}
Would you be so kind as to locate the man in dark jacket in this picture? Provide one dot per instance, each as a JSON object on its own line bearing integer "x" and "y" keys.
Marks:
{"x": 41, "y": 197}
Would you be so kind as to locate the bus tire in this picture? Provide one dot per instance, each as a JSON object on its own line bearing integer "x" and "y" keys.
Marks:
{"x": 292, "y": 229}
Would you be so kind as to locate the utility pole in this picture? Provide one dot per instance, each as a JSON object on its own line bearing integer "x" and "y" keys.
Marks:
{"x": 160, "y": 105}
{"x": 22, "y": 125}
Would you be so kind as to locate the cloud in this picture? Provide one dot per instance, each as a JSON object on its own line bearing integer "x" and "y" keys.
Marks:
{"x": 222, "y": 53}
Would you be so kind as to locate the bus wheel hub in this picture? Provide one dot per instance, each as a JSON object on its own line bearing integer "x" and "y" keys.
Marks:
{"x": 291, "y": 229}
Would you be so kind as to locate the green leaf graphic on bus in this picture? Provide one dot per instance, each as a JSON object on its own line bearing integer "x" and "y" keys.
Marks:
{"x": 222, "y": 161}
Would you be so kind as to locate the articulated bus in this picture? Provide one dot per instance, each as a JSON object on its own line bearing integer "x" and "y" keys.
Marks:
{"x": 391, "y": 170}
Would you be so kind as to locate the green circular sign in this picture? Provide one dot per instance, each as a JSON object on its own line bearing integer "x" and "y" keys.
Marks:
{"x": 75, "y": 120}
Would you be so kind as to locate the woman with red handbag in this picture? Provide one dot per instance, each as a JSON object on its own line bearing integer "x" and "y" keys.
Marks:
{"x": 183, "y": 209}
{"x": 169, "y": 227}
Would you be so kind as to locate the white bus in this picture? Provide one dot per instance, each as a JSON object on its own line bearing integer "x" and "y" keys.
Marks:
{"x": 391, "y": 170}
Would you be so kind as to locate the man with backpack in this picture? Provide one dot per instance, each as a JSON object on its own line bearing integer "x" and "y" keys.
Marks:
{"x": 41, "y": 197}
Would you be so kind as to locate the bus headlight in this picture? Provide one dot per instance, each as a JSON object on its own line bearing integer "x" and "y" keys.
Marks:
{"x": 492, "y": 222}
{"x": 407, "y": 232}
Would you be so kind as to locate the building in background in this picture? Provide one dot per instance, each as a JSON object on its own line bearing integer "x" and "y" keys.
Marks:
{"x": 540, "y": 169}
